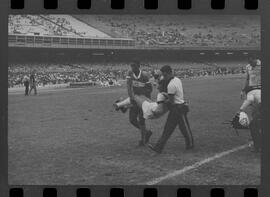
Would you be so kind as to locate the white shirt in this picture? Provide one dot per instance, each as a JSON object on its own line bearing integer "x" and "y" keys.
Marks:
{"x": 175, "y": 87}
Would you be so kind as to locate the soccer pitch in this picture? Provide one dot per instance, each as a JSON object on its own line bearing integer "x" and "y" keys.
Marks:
{"x": 74, "y": 136}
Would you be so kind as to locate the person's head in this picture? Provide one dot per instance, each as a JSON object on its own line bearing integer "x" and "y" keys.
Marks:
{"x": 254, "y": 61}
{"x": 135, "y": 66}
{"x": 166, "y": 72}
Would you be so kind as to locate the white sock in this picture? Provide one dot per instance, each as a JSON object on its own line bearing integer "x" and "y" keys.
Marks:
{"x": 123, "y": 103}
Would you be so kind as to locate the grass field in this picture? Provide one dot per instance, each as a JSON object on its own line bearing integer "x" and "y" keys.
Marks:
{"x": 74, "y": 136}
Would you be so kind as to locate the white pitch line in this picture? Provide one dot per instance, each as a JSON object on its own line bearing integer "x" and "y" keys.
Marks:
{"x": 195, "y": 165}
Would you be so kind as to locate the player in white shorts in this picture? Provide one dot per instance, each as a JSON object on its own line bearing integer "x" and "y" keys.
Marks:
{"x": 252, "y": 90}
{"x": 151, "y": 109}
{"x": 253, "y": 99}
{"x": 253, "y": 79}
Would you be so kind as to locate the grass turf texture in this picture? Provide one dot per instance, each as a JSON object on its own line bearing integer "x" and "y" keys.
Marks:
{"x": 76, "y": 137}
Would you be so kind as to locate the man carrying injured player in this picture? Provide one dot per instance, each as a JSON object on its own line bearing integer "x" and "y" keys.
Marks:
{"x": 252, "y": 91}
{"x": 151, "y": 109}
{"x": 138, "y": 83}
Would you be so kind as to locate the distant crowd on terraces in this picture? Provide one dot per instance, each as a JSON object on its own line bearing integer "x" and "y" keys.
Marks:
{"x": 110, "y": 74}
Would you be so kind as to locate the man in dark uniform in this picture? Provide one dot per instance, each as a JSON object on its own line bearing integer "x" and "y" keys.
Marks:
{"x": 177, "y": 112}
{"x": 26, "y": 85}
{"x": 33, "y": 83}
{"x": 138, "y": 84}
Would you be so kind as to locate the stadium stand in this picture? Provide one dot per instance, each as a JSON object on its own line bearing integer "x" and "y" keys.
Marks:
{"x": 51, "y": 25}
{"x": 22, "y": 24}
{"x": 153, "y": 30}
{"x": 95, "y": 23}
{"x": 64, "y": 73}
{"x": 77, "y": 26}
{"x": 109, "y": 74}
{"x": 148, "y": 31}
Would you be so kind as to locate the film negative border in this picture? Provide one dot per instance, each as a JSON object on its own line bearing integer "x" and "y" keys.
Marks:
{"x": 144, "y": 192}
{"x": 148, "y": 4}
{"x": 135, "y": 6}
{"x": 69, "y": 6}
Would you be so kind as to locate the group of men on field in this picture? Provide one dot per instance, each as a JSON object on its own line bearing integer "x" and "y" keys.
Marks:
{"x": 30, "y": 82}
{"x": 138, "y": 83}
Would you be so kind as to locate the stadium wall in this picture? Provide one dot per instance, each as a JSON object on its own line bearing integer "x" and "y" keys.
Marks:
{"x": 100, "y": 55}
{"x": 27, "y": 41}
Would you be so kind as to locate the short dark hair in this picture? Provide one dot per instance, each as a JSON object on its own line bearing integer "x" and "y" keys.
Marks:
{"x": 253, "y": 58}
{"x": 166, "y": 69}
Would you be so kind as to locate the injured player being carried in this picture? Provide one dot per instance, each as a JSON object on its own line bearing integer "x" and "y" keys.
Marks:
{"x": 151, "y": 109}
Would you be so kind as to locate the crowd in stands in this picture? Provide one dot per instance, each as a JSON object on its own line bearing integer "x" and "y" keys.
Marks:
{"x": 150, "y": 30}
{"x": 193, "y": 73}
{"x": 182, "y": 30}
{"x": 103, "y": 74}
{"x": 60, "y": 25}
{"x": 59, "y": 74}
{"x": 52, "y": 25}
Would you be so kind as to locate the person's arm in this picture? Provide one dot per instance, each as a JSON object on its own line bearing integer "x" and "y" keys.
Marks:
{"x": 170, "y": 101}
{"x": 171, "y": 93}
{"x": 148, "y": 87}
{"x": 243, "y": 92}
{"x": 129, "y": 86}
{"x": 148, "y": 84}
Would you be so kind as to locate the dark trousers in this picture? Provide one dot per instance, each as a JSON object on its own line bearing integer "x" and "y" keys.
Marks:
{"x": 26, "y": 90}
{"x": 33, "y": 87}
{"x": 177, "y": 116}
{"x": 136, "y": 116}
{"x": 255, "y": 128}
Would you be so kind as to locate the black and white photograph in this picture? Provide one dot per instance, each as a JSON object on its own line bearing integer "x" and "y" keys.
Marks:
{"x": 134, "y": 99}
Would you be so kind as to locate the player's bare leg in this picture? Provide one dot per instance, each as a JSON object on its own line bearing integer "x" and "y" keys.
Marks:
{"x": 120, "y": 104}
{"x": 245, "y": 105}
{"x": 145, "y": 134}
{"x": 140, "y": 100}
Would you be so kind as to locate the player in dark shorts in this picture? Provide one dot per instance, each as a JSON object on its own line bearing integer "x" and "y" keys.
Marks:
{"x": 138, "y": 84}
{"x": 33, "y": 84}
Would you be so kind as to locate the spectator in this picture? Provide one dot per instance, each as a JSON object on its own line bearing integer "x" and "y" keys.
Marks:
{"x": 109, "y": 74}
{"x": 26, "y": 84}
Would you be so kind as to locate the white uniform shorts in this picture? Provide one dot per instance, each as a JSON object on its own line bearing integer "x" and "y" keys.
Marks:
{"x": 254, "y": 96}
{"x": 148, "y": 108}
